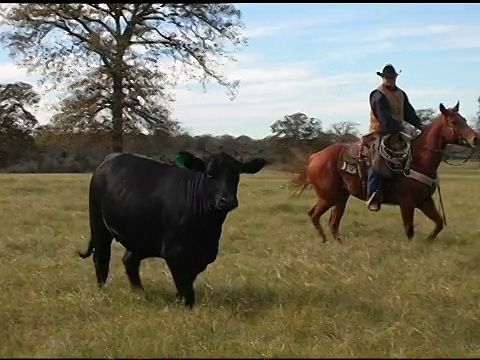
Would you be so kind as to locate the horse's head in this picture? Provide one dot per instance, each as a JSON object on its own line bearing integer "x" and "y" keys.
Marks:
{"x": 455, "y": 129}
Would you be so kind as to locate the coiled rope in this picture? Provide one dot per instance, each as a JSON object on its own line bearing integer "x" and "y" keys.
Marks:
{"x": 398, "y": 161}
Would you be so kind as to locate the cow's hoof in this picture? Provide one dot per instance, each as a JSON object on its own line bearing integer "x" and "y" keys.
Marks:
{"x": 136, "y": 288}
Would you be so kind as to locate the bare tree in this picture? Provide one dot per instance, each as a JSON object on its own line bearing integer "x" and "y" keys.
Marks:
{"x": 63, "y": 40}
{"x": 344, "y": 128}
{"x": 426, "y": 115}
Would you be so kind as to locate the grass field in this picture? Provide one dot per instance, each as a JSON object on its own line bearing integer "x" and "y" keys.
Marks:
{"x": 274, "y": 291}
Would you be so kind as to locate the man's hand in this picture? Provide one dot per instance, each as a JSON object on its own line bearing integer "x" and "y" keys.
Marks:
{"x": 393, "y": 127}
{"x": 418, "y": 131}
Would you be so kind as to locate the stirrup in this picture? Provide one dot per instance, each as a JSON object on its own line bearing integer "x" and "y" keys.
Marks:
{"x": 371, "y": 204}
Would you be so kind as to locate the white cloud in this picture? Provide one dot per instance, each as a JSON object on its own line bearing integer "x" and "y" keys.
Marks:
{"x": 264, "y": 30}
{"x": 392, "y": 38}
{"x": 351, "y": 52}
{"x": 429, "y": 92}
{"x": 299, "y": 25}
{"x": 389, "y": 33}
{"x": 461, "y": 42}
{"x": 267, "y": 93}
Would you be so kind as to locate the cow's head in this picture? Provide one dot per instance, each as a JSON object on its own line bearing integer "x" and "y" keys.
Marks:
{"x": 225, "y": 171}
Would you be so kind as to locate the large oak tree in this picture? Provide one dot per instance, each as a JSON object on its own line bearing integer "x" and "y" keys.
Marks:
{"x": 66, "y": 41}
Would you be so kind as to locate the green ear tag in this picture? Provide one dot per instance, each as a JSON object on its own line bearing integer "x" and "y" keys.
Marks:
{"x": 180, "y": 159}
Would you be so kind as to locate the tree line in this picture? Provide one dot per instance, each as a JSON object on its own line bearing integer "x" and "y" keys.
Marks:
{"x": 112, "y": 66}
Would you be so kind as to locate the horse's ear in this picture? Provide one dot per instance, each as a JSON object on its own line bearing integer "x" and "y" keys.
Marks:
{"x": 457, "y": 106}
{"x": 190, "y": 161}
{"x": 443, "y": 110}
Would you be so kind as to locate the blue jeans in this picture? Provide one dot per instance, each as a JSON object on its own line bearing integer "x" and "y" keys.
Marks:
{"x": 372, "y": 181}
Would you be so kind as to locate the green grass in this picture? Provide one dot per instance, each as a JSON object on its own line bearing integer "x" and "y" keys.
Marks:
{"x": 274, "y": 291}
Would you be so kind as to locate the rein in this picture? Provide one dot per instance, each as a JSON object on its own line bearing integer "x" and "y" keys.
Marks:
{"x": 444, "y": 159}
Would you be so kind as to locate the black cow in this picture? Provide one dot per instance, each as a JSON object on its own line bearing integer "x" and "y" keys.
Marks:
{"x": 158, "y": 210}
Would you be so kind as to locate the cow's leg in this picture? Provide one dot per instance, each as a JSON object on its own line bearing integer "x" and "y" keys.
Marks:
{"x": 430, "y": 211}
{"x": 184, "y": 275}
{"x": 176, "y": 279}
{"x": 132, "y": 268}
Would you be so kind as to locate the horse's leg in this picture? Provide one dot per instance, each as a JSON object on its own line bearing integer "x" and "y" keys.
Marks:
{"x": 316, "y": 213}
{"x": 336, "y": 215}
{"x": 430, "y": 211}
{"x": 407, "y": 212}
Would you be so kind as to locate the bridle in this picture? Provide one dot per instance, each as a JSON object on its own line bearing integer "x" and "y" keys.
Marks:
{"x": 461, "y": 141}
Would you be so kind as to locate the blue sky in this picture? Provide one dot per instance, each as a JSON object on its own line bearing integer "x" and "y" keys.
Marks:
{"x": 321, "y": 59}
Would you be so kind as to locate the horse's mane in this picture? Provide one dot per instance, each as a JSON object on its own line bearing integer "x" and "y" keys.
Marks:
{"x": 434, "y": 120}
{"x": 429, "y": 126}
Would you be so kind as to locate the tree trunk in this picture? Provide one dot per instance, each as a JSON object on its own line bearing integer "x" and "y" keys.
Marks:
{"x": 117, "y": 112}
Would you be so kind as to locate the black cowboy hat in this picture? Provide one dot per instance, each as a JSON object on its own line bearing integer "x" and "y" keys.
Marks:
{"x": 388, "y": 71}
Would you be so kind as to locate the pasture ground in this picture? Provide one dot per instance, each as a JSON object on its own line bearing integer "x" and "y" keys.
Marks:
{"x": 275, "y": 289}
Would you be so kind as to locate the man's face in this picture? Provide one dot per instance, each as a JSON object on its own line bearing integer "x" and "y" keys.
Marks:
{"x": 390, "y": 81}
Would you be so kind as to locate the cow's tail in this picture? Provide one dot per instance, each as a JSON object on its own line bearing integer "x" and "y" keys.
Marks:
{"x": 94, "y": 209}
{"x": 298, "y": 168}
{"x": 89, "y": 251}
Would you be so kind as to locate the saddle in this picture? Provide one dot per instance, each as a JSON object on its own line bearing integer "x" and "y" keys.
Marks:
{"x": 357, "y": 156}
{"x": 387, "y": 154}
{"x": 360, "y": 148}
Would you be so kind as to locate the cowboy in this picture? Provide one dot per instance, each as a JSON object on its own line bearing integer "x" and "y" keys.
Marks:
{"x": 389, "y": 107}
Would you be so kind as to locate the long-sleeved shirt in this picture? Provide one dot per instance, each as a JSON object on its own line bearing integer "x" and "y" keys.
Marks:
{"x": 381, "y": 109}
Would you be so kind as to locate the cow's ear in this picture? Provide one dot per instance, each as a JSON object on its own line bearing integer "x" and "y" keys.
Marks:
{"x": 253, "y": 166}
{"x": 190, "y": 161}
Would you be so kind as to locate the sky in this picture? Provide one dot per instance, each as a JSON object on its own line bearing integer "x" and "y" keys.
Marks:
{"x": 322, "y": 59}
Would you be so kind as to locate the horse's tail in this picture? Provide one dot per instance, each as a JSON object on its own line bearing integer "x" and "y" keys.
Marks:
{"x": 298, "y": 167}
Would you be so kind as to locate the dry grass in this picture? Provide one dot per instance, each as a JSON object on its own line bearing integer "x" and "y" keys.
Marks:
{"x": 274, "y": 290}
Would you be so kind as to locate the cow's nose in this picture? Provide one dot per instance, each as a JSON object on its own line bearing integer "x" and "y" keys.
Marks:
{"x": 222, "y": 202}
{"x": 227, "y": 204}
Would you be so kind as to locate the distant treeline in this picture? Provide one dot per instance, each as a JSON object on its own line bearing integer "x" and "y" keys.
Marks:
{"x": 50, "y": 152}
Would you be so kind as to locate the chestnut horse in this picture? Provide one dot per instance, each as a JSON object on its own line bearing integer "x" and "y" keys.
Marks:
{"x": 334, "y": 181}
